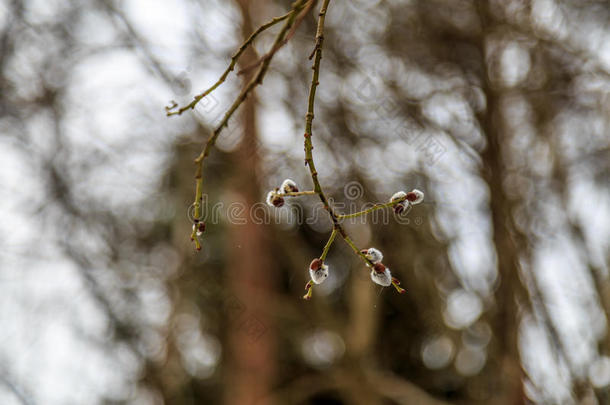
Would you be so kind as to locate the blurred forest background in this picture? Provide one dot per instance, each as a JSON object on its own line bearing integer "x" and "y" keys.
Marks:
{"x": 498, "y": 110}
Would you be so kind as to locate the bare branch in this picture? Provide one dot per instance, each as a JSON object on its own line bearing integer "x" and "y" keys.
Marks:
{"x": 171, "y": 109}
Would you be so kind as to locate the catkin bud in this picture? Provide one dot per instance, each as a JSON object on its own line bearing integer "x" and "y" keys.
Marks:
{"x": 289, "y": 186}
{"x": 398, "y": 195}
{"x": 381, "y": 275}
{"x": 415, "y": 196}
{"x": 372, "y": 254}
{"x": 401, "y": 207}
{"x": 318, "y": 271}
{"x": 200, "y": 228}
{"x": 274, "y": 200}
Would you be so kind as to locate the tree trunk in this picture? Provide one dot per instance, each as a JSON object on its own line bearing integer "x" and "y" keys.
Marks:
{"x": 251, "y": 341}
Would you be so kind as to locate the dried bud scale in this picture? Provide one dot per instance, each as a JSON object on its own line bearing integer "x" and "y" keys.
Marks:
{"x": 379, "y": 268}
{"x": 316, "y": 264}
{"x": 309, "y": 290}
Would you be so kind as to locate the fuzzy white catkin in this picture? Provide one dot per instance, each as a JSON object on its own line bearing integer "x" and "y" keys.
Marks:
{"x": 320, "y": 275}
{"x": 270, "y": 196}
{"x": 398, "y": 195}
{"x": 288, "y": 185}
{"x": 374, "y": 255}
{"x": 383, "y": 279}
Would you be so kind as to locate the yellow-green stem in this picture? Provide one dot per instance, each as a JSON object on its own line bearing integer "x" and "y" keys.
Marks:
{"x": 295, "y": 193}
{"x": 328, "y": 244}
{"x": 371, "y": 209}
{"x": 357, "y": 251}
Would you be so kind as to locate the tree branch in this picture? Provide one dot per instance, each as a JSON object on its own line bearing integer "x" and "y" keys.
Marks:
{"x": 256, "y": 80}
{"x": 277, "y": 47}
{"x": 375, "y": 207}
{"x": 328, "y": 244}
{"x": 171, "y": 109}
{"x": 317, "y": 56}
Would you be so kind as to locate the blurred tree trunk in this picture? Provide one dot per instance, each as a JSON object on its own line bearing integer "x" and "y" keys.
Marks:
{"x": 506, "y": 385}
{"x": 506, "y": 315}
{"x": 251, "y": 342}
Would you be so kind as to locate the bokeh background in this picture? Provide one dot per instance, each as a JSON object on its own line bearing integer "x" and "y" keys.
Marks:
{"x": 498, "y": 110}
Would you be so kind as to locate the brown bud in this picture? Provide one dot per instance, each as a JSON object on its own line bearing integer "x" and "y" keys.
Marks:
{"x": 379, "y": 267}
{"x": 277, "y": 201}
{"x": 201, "y": 227}
{"x": 364, "y": 251}
{"x": 411, "y": 196}
{"x": 399, "y": 208}
{"x": 316, "y": 264}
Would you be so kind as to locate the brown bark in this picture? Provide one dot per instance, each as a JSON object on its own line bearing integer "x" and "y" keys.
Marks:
{"x": 506, "y": 383}
{"x": 251, "y": 366}
{"x": 506, "y": 315}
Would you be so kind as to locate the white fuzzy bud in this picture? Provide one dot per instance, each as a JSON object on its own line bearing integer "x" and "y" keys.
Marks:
{"x": 270, "y": 196}
{"x": 274, "y": 200}
{"x": 289, "y": 186}
{"x": 373, "y": 255}
{"x": 318, "y": 271}
{"x": 402, "y": 207}
{"x": 320, "y": 275}
{"x": 398, "y": 195}
{"x": 383, "y": 279}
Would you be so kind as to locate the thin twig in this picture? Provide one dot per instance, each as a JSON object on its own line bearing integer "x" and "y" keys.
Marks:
{"x": 310, "y": 115}
{"x": 293, "y": 19}
{"x": 295, "y": 193}
{"x": 371, "y": 209}
{"x": 277, "y": 47}
{"x": 317, "y": 56}
{"x": 256, "y": 80}
{"x": 358, "y": 252}
{"x": 170, "y": 109}
{"x": 331, "y": 239}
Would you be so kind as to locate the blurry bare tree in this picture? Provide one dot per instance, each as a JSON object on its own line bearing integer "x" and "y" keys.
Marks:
{"x": 498, "y": 110}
